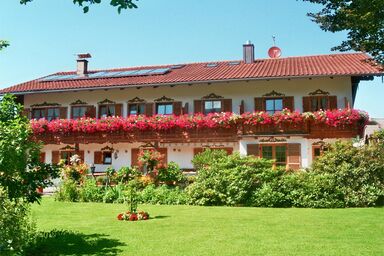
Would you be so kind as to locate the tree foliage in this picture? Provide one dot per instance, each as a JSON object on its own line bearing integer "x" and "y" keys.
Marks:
{"x": 3, "y": 44}
{"x": 21, "y": 171}
{"x": 363, "y": 19}
{"x": 85, "y": 4}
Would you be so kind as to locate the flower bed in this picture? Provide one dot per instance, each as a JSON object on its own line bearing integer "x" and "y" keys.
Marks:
{"x": 161, "y": 123}
{"x": 133, "y": 216}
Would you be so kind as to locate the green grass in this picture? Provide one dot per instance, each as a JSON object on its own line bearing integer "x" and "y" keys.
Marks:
{"x": 192, "y": 230}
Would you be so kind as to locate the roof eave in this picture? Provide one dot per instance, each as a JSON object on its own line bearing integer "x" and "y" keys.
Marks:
{"x": 188, "y": 83}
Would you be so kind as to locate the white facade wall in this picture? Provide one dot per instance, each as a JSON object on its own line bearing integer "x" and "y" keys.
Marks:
{"x": 237, "y": 91}
{"x": 182, "y": 153}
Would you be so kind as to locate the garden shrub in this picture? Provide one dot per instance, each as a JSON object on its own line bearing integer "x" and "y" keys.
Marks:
{"x": 90, "y": 192}
{"x": 355, "y": 174}
{"x": 68, "y": 191}
{"x": 170, "y": 174}
{"x": 16, "y": 228}
{"x": 126, "y": 174}
{"x": 163, "y": 195}
{"x": 225, "y": 180}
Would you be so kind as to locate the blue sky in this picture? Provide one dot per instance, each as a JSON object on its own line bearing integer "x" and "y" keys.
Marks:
{"x": 45, "y": 35}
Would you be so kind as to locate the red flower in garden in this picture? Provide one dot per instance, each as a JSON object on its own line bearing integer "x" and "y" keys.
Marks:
{"x": 133, "y": 217}
{"x": 120, "y": 216}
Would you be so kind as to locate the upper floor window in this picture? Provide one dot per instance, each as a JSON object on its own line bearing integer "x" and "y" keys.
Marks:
{"x": 107, "y": 110}
{"x": 164, "y": 108}
{"x": 136, "y": 109}
{"x": 38, "y": 113}
{"x": 47, "y": 113}
{"x": 212, "y": 106}
{"x": 273, "y": 105}
{"x": 79, "y": 112}
{"x": 319, "y": 102}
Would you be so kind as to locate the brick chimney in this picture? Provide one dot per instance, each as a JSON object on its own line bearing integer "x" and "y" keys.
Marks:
{"x": 248, "y": 52}
{"x": 82, "y": 64}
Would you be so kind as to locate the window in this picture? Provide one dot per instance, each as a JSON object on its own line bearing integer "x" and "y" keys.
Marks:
{"x": 318, "y": 150}
{"x": 136, "y": 109}
{"x": 66, "y": 156}
{"x": 275, "y": 152}
{"x": 38, "y": 113}
{"x": 78, "y": 112}
{"x": 212, "y": 106}
{"x": 319, "y": 102}
{"x": 107, "y": 110}
{"x": 164, "y": 108}
{"x": 107, "y": 157}
{"x": 273, "y": 105}
{"x": 47, "y": 113}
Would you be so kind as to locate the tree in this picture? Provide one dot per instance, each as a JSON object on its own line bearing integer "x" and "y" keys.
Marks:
{"x": 21, "y": 171}
{"x": 363, "y": 19}
{"x": 3, "y": 44}
{"x": 120, "y": 4}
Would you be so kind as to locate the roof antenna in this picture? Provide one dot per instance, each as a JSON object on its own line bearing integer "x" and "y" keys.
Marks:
{"x": 274, "y": 40}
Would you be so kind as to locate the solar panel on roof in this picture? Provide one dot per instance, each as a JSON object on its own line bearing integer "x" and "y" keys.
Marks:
{"x": 211, "y": 65}
{"x": 50, "y": 78}
{"x": 233, "y": 63}
{"x": 159, "y": 71}
{"x": 177, "y": 66}
{"x": 98, "y": 74}
{"x": 65, "y": 77}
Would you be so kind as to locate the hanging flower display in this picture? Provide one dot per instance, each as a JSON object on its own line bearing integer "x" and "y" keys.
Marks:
{"x": 160, "y": 123}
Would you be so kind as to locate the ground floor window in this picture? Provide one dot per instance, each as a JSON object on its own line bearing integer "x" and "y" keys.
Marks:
{"x": 275, "y": 152}
{"x": 318, "y": 150}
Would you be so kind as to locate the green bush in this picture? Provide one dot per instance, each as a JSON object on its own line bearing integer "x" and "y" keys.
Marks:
{"x": 171, "y": 174}
{"x": 126, "y": 174}
{"x": 68, "y": 191}
{"x": 353, "y": 175}
{"x": 225, "y": 180}
{"x": 17, "y": 230}
{"x": 163, "y": 195}
{"x": 90, "y": 192}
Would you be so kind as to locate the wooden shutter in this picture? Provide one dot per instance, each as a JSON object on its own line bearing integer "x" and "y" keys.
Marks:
{"x": 253, "y": 150}
{"x": 42, "y": 157}
{"x": 227, "y": 105}
{"x": 198, "y": 106}
{"x": 294, "y": 156}
{"x": 98, "y": 157}
{"x": 185, "y": 109}
{"x": 241, "y": 107}
{"x": 55, "y": 157}
{"x": 177, "y": 108}
{"x": 306, "y": 104}
{"x": 149, "y": 109}
{"x": 118, "y": 109}
{"x": 81, "y": 155}
{"x": 90, "y": 112}
{"x": 228, "y": 150}
{"x": 259, "y": 104}
{"x": 288, "y": 102}
{"x": 26, "y": 112}
{"x": 332, "y": 102}
{"x": 63, "y": 113}
{"x": 198, "y": 151}
{"x": 346, "y": 103}
{"x": 134, "y": 156}
{"x": 164, "y": 152}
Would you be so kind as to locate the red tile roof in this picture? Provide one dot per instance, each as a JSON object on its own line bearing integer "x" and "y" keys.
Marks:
{"x": 350, "y": 64}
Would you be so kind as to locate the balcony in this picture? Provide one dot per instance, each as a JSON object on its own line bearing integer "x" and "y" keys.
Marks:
{"x": 220, "y": 127}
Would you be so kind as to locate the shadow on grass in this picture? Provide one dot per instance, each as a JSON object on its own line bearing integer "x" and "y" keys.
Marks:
{"x": 63, "y": 242}
{"x": 160, "y": 217}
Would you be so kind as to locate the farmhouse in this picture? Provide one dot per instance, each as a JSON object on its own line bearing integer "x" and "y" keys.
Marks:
{"x": 278, "y": 108}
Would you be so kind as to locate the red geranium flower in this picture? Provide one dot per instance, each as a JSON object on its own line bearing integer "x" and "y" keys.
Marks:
{"x": 120, "y": 216}
{"x": 133, "y": 217}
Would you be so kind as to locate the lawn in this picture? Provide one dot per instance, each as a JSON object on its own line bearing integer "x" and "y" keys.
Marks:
{"x": 192, "y": 230}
